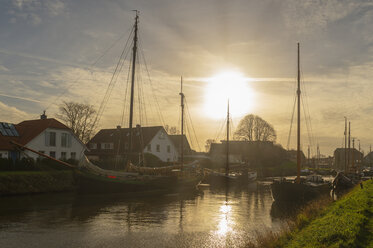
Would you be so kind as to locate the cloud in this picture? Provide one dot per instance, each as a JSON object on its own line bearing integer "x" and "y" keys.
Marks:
{"x": 3, "y": 68}
{"x": 13, "y": 114}
{"x": 32, "y": 11}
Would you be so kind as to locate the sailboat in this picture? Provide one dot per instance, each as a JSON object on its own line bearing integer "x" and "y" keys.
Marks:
{"x": 220, "y": 178}
{"x": 298, "y": 190}
{"x": 176, "y": 178}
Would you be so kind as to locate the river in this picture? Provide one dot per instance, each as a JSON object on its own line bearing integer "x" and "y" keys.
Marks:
{"x": 214, "y": 218}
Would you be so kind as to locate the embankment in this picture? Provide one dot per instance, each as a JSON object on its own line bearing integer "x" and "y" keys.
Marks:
{"x": 31, "y": 182}
{"x": 347, "y": 222}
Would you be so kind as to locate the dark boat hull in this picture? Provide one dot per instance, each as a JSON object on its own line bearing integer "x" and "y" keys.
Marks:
{"x": 289, "y": 191}
{"x": 90, "y": 183}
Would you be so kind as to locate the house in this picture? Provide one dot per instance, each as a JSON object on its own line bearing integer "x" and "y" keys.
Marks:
{"x": 176, "y": 139}
{"x": 110, "y": 143}
{"x": 252, "y": 152}
{"x": 368, "y": 159}
{"x": 347, "y": 156}
{"x": 45, "y": 135}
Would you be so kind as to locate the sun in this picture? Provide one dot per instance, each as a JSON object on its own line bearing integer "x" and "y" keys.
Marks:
{"x": 232, "y": 86}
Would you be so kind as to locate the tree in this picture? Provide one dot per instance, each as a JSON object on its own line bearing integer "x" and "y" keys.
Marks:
{"x": 171, "y": 130}
{"x": 254, "y": 128}
{"x": 79, "y": 117}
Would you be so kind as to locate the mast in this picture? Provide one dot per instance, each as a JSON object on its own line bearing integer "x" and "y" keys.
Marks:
{"x": 345, "y": 145}
{"x": 182, "y": 125}
{"x": 134, "y": 51}
{"x": 349, "y": 146}
{"x": 227, "y": 162}
{"x": 298, "y": 123}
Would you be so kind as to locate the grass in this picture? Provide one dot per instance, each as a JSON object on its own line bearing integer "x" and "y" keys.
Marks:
{"x": 347, "y": 222}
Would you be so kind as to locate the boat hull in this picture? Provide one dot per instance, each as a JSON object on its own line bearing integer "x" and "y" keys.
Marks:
{"x": 90, "y": 183}
{"x": 289, "y": 191}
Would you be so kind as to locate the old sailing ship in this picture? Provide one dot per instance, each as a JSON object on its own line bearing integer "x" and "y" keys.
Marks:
{"x": 93, "y": 179}
{"x": 298, "y": 190}
{"x": 239, "y": 178}
{"x": 176, "y": 178}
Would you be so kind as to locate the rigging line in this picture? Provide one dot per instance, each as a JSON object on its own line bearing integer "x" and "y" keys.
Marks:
{"x": 126, "y": 93}
{"x": 220, "y": 129}
{"x": 308, "y": 113}
{"x": 151, "y": 84}
{"x": 143, "y": 95}
{"x": 191, "y": 122}
{"x": 90, "y": 68}
{"x": 307, "y": 124}
{"x": 291, "y": 123}
{"x": 111, "y": 84}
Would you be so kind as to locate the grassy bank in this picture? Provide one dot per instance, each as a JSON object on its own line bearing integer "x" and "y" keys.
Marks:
{"x": 30, "y": 182}
{"x": 344, "y": 223}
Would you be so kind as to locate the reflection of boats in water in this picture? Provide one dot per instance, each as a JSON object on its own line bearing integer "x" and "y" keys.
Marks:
{"x": 299, "y": 190}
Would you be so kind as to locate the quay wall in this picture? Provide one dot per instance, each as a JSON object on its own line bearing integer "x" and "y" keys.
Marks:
{"x": 32, "y": 182}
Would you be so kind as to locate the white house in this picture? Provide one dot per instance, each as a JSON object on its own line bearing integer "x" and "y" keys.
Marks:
{"x": 47, "y": 136}
{"x": 109, "y": 143}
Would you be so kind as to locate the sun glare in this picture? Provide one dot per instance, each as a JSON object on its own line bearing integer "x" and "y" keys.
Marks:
{"x": 230, "y": 85}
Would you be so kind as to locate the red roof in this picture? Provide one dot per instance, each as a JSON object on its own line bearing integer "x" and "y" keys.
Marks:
{"x": 28, "y": 130}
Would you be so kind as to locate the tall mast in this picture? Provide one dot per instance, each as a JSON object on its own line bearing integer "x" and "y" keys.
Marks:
{"x": 298, "y": 123}
{"x": 182, "y": 125}
{"x": 134, "y": 51}
{"x": 349, "y": 146}
{"x": 227, "y": 162}
{"x": 345, "y": 144}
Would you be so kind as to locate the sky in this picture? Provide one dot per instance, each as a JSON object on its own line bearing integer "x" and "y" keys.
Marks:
{"x": 53, "y": 51}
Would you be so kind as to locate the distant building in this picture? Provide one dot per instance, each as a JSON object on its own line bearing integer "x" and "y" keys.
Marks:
{"x": 252, "y": 152}
{"x": 111, "y": 143}
{"x": 48, "y": 136}
{"x": 292, "y": 156}
{"x": 368, "y": 159}
{"x": 354, "y": 158}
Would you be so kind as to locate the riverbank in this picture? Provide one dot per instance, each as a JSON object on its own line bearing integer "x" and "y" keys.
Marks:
{"x": 32, "y": 182}
{"x": 347, "y": 222}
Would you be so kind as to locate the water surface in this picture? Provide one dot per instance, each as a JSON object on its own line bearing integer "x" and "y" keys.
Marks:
{"x": 216, "y": 218}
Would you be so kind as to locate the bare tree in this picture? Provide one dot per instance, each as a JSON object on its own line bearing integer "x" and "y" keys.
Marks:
{"x": 79, "y": 117}
{"x": 254, "y": 128}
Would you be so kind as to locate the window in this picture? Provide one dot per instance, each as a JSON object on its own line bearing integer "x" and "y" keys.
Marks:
{"x": 107, "y": 146}
{"x": 168, "y": 148}
{"x": 52, "y": 154}
{"x": 158, "y": 148}
{"x": 93, "y": 145}
{"x": 149, "y": 147}
{"x": 63, "y": 155}
{"x": 73, "y": 155}
{"x": 50, "y": 138}
{"x": 65, "y": 140}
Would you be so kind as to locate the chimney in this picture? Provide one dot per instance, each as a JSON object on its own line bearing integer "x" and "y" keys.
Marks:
{"x": 118, "y": 127}
{"x": 43, "y": 116}
{"x": 138, "y": 126}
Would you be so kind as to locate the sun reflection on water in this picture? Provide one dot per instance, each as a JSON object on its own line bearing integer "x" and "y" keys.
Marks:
{"x": 225, "y": 222}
